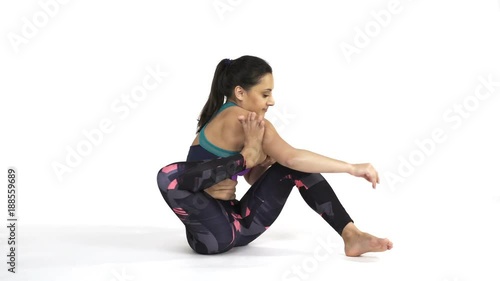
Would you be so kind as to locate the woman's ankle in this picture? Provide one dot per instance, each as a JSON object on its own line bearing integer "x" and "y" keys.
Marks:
{"x": 349, "y": 231}
{"x": 250, "y": 155}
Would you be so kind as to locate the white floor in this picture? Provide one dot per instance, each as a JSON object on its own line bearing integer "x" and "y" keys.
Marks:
{"x": 113, "y": 253}
{"x": 444, "y": 231}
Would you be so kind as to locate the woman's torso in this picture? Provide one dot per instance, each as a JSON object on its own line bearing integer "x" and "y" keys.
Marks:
{"x": 219, "y": 137}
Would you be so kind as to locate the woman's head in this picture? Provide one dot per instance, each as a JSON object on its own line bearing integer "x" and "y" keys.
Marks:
{"x": 247, "y": 81}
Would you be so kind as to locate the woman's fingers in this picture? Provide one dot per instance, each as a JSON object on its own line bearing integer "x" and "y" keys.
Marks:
{"x": 374, "y": 179}
{"x": 251, "y": 116}
{"x": 371, "y": 178}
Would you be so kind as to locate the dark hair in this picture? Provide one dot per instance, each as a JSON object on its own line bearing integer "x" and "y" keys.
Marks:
{"x": 246, "y": 72}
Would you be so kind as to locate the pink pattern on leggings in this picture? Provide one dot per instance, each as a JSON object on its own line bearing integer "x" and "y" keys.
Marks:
{"x": 172, "y": 184}
{"x": 300, "y": 184}
{"x": 180, "y": 211}
{"x": 169, "y": 168}
{"x": 236, "y": 222}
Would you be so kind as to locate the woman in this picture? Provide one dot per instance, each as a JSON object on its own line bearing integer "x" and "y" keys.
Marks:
{"x": 201, "y": 191}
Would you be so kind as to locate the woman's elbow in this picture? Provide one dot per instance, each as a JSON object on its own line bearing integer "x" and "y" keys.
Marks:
{"x": 289, "y": 159}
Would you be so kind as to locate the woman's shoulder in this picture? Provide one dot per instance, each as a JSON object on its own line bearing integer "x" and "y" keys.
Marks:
{"x": 229, "y": 121}
{"x": 225, "y": 131}
{"x": 230, "y": 115}
{"x": 235, "y": 108}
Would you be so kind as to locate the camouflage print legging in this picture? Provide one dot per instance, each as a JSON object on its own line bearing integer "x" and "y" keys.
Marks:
{"x": 216, "y": 226}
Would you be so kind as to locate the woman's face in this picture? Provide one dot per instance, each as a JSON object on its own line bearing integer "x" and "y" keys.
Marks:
{"x": 260, "y": 97}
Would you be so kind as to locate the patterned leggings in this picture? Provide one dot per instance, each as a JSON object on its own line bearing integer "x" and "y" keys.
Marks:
{"x": 216, "y": 226}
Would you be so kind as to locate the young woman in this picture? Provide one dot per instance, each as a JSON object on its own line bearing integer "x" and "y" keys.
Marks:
{"x": 233, "y": 139}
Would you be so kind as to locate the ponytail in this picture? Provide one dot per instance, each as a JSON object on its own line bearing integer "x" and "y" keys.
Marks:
{"x": 245, "y": 72}
{"x": 217, "y": 94}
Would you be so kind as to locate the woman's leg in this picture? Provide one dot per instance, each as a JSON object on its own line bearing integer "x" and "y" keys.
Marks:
{"x": 265, "y": 199}
{"x": 199, "y": 175}
{"x": 209, "y": 227}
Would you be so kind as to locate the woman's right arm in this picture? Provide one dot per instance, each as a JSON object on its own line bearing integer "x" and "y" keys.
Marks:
{"x": 310, "y": 162}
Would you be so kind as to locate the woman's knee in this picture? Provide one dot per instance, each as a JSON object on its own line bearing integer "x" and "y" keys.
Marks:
{"x": 210, "y": 243}
{"x": 166, "y": 177}
{"x": 205, "y": 251}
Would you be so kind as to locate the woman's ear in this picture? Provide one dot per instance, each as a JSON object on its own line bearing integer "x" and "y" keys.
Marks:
{"x": 239, "y": 93}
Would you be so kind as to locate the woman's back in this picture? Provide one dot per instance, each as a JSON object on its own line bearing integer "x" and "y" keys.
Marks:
{"x": 223, "y": 134}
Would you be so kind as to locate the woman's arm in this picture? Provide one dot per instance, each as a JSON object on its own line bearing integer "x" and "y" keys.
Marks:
{"x": 310, "y": 162}
{"x": 299, "y": 159}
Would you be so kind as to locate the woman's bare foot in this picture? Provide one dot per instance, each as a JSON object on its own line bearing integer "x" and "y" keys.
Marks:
{"x": 357, "y": 242}
{"x": 253, "y": 128}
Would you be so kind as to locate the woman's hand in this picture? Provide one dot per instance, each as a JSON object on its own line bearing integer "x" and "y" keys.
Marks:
{"x": 224, "y": 190}
{"x": 366, "y": 171}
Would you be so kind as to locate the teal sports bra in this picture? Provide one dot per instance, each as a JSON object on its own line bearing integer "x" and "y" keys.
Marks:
{"x": 210, "y": 147}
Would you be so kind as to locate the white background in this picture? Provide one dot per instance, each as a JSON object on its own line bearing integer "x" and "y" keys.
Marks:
{"x": 374, "y": 105}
